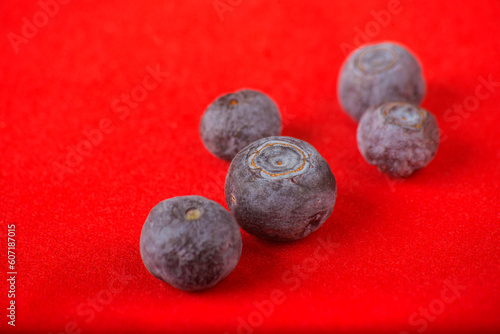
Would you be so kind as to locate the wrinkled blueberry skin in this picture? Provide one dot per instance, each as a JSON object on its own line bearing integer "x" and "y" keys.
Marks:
{"x": 379, "y": 73}
{"x": 235, "y": 120}
{"x": 190, "y": 254}
{"x": 398, "y": 138}
{"x": 280, "y": 188}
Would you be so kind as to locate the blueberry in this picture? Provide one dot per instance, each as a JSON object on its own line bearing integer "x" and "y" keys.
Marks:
{"x": 235, "y": 120}
{"x": 398, "y": 137}
{"x": 190, "y": 242}
{"x": 379, "y": 73}
{"x": 280, "y": 188}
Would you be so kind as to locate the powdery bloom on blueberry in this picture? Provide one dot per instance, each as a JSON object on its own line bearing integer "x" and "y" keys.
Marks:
{"x": 398, "y": 138}
{"x": 379, "y": 73}
{"x": 280, "y": 188}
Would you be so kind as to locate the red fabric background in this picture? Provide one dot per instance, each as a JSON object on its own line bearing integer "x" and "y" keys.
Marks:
{"x": 399, "y": 245}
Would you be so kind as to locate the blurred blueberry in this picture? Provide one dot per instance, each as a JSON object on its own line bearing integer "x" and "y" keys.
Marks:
{"x": 379, "y": 73}
{"x": 398, "y": 138}
{"x": 190, "y": 242}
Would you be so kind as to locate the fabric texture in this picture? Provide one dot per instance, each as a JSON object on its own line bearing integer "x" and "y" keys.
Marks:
{"x": 100, "y": 104}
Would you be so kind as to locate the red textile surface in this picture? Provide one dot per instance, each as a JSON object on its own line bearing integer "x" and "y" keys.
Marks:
{"x": 419, "y": 255}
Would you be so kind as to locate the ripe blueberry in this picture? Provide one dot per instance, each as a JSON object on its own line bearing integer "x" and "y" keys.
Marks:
{"x": 235, "y": 120}
{"x": 190, "y": 242}
{"x": 379, "y": 73}
{"x": 280, "y": 188}
{"x": 398, "y": 137}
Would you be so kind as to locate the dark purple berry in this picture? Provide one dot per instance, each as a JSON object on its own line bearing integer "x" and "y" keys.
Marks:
{"x": 190, "y": 242}
{"x": 379, "y": 73}
{"x": 280, "y": 188}
{"x": 235, "y": 120}
{"x": 398, "y": 138}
